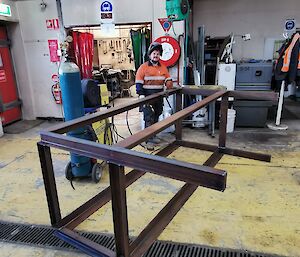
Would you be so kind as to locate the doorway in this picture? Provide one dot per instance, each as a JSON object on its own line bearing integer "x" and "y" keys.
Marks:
{"x": 10, "y": 105}
{"x": 116, "y": 54}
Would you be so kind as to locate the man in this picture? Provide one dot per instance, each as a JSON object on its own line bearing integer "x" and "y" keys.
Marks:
{"x": 152, "y": 77}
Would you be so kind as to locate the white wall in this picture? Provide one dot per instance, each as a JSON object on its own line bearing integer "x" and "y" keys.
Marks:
{"x": 82, "y": 12}
{"x": 263, "y": 19}
{"x": 35, "y": 86}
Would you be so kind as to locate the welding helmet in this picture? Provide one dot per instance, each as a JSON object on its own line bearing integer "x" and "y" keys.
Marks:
{"x": 155, "y": 46}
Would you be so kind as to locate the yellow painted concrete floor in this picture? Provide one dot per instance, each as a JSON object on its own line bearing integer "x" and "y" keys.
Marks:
{"x": 259, "y": 210}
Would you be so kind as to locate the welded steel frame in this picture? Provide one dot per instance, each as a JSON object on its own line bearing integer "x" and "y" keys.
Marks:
{"x": 119, "y": 155}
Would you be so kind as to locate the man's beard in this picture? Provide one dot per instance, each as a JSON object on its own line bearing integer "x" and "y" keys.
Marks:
{"x": 154, "y": 62}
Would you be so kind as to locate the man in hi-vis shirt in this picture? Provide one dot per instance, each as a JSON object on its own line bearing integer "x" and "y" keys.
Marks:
{"x": 151, "y": 78}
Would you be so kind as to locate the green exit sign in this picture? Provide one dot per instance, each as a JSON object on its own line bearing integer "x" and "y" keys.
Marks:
{"x": 5, "y": 10}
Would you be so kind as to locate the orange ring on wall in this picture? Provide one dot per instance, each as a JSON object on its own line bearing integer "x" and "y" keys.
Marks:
{"x": 171, "y": 50}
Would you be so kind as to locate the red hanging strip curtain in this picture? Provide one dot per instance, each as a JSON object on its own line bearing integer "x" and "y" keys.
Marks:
{"x": 83, "y": 44}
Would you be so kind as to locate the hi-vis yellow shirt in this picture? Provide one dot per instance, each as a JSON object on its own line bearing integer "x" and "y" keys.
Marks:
{"x": 153, "y": 76}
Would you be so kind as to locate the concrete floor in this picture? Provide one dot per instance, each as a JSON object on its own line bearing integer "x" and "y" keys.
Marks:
{"x": 259, "y": 210}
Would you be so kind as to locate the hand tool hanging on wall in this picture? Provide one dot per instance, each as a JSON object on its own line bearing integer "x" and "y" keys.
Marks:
{"x": 104, "y": 47}
{"x": 124, "y": 45}
{"x": 116, "y": 45}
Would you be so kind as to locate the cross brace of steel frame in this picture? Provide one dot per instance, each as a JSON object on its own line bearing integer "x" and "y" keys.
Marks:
{"x": 120, "y": 155}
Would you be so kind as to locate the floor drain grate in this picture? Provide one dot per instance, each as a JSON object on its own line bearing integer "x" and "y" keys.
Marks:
{"x": 42, "y": 236}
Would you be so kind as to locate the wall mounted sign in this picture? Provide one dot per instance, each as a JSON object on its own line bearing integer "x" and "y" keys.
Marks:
{"x": 171, "y": 50}
{"x": 290, "y": 25}
{"x": 5, "y": 10}
{"x": 53, "y": 48}
{"x": 106, "y": 11}
{"x": 165, "y": 24}
{"x": 2, "y": 76}
{"x": 52, "y": 24}
{"x": 54, "y": 78}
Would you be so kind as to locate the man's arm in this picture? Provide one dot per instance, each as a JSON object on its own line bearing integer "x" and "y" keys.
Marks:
{"x": 139, "y": 81}
{"x": 169, "y": 83}
{"x": 139, "y": 88}
{"x": 168, "y": 80}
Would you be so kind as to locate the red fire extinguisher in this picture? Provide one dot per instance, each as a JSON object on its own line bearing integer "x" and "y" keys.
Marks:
{"x": 56, "y": 92}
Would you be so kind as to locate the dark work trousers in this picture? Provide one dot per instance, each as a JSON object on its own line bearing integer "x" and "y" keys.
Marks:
{"x": 153, "y": 110}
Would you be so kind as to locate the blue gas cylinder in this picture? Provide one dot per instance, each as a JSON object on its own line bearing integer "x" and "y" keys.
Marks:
{"x": 73, "y": 106}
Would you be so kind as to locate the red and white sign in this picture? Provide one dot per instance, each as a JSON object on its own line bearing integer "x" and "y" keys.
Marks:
{"x": 165, "y": 23}
{"x": 54, "y": 78}
{"x": 52, "y": 24}
{"x": 2, "y": 76}
{"x": 53, "y": 48}
{"x": 171, "y": 50}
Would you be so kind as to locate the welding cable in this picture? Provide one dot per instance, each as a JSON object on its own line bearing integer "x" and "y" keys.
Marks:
{"x": 128, "y": 123}
{"x": 112, "y": 137}
{"x": 105, "y": 137}
{"x": 130, "y": 129}
{"x": 172, "y": 111}
{"x": 72, "y": 177}
{"x": 116, "y": 132}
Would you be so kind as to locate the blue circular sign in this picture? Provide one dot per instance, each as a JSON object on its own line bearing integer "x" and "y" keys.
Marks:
{"x": 106, "y": 6}
{"x": 290, "y": 25}
{"x": 166, "y": 25}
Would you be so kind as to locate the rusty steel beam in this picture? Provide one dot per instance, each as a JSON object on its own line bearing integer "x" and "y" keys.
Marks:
{"x": 213, "y": 160}
{"x": 49, "y": 181}
{"x": 247, "y": 95}
{"x": 89, "y": 119}
{"x": 198, "y": 91}
{"x": 195, "y": 145}
{"x": 183, "y": 171}
{"x": 73, "y": 219}
{"x": 148, "y": 236}
{"x": 229, "y": 151}
{"x": 246, "y": 154}
{"x": 84, "y": 244}
{"x": 223, "y": 121}
{"x": 178, "y": 124}
{"x": 119, "y": 209}
{"x": 254, "y": 95}
{"x": 160, "y": 126}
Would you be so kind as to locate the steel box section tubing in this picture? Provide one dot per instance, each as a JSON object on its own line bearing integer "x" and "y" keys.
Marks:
{"x": 49, "y": 182}
{"x": 254, "y": 95}
{"x": 226, "y": 150}
{"x": 72, "y": 220}
{"x": 165, "y": 216}
{"x": 84, "y": 244}
{"x": 141, "y": 136}
{"x": 191, "y": 173}
{"x": 88, "y": 119}
{"x": 250, "y": 95}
